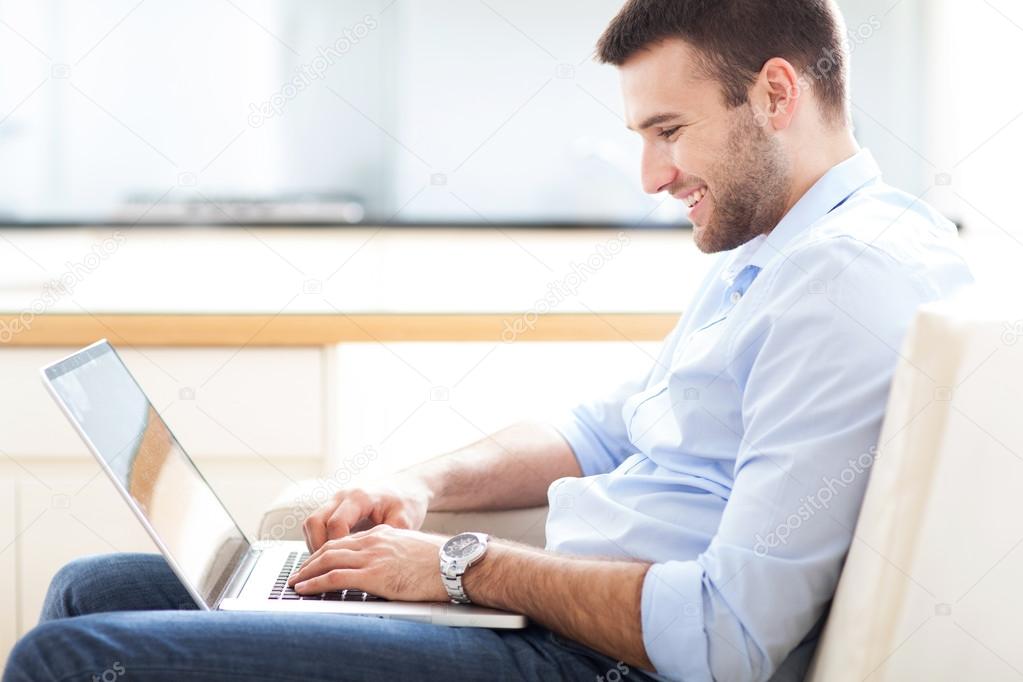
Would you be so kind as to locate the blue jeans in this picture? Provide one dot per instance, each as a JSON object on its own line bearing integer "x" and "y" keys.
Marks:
{"x": 127, "y": 615}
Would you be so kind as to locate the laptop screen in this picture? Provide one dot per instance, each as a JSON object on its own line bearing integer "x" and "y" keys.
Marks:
{"x": 150, "y": 465}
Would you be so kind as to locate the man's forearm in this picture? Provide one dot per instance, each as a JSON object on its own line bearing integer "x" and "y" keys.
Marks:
{"x": 593, "y": 601}
{"x": 510, "y": 469}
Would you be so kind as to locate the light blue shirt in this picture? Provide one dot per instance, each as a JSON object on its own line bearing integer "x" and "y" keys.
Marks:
{"x": 737, "y": 464}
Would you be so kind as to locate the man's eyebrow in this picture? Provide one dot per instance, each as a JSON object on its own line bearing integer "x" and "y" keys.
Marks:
{"x": 654, "y": 120}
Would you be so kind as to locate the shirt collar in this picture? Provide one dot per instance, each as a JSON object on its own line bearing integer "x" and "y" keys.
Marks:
{"x": 829, "y": 192}
{"x": 740, "y": 258}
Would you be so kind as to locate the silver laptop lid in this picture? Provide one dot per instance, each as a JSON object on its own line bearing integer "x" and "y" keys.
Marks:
{"x": 145, "y": 460}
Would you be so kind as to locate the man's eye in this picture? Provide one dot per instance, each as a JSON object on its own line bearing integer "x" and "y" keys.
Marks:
{"x": 669, "y": 132}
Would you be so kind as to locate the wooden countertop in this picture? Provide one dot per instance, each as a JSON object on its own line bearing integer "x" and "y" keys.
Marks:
{"x": 326, "y": 329}
{"x": 314, "y": 286}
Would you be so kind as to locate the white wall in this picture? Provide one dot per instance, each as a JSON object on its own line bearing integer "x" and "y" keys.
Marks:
{"x": 114, "y": 98}
{"x": 888, "y": 84}
{"x": 975, "y": 132}
{"x": 500, "y": 98}
{"x": 505, "y": 99}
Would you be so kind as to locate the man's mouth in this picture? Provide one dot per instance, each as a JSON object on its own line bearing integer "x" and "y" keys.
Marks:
{"x": 694, "y": 197}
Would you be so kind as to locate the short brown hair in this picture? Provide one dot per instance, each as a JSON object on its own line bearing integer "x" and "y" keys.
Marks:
{"x": 737, "y": 37}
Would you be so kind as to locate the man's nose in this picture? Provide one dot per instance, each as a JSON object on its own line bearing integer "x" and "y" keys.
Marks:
{"x": 658, "y": 169}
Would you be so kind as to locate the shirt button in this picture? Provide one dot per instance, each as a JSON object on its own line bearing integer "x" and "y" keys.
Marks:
{"x": 735, "y": 297}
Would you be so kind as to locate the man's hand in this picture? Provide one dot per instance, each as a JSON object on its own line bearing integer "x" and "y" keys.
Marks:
{"x": 401, "y": 504}
{"x": 561, "y": 593}
{"x": 393, "y": 563}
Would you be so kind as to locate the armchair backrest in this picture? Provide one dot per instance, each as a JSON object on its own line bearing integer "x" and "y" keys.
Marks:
{"x": 932, "y": 585}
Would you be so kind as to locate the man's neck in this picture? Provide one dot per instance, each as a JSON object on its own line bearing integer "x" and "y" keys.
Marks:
{"x": 821, "y": 156}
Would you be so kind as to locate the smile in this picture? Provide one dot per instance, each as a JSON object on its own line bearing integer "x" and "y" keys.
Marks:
{"x": 695, "y": 197}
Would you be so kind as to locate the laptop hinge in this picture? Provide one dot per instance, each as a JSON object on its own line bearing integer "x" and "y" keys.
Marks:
{"x": 241, "y": 574}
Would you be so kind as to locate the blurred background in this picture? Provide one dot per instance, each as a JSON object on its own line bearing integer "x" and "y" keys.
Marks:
{"x": 316, "y": 228}
{"x": 337, "y": 112}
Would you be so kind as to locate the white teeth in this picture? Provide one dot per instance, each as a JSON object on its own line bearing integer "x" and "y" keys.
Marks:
{"x": 695, "y": 197}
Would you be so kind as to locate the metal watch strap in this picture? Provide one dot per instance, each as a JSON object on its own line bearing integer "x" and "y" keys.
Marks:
{"x": 453, "y": 584}
{"x": 452, "y": 569}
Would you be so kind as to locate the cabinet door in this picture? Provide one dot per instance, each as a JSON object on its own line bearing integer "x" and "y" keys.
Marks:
{"x": 8, "y": 574}
{"x": 218, "y": 401}
{"x": 70, "y": 509}
{"x": 67, "y": 510}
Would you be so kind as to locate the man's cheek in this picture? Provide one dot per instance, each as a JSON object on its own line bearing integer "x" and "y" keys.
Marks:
{"x": 692, "y": 159}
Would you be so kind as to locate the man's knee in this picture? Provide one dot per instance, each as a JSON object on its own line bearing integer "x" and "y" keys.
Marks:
{"x": 60, "y": 599}
{"x": 71, "y": 587}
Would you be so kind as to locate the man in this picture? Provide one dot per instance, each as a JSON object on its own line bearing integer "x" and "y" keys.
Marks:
{"x": 699, "y": 515}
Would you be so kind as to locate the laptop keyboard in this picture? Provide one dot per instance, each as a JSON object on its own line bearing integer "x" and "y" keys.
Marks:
{"x": 281, "y": 590}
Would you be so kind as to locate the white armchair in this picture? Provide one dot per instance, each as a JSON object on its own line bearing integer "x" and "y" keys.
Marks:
{"x": 931, "y": 588}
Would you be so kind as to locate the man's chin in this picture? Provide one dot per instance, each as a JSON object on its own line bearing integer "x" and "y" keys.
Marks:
{"x": 704, "y": 239}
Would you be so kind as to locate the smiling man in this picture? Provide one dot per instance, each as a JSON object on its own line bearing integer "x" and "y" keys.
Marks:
{"x": 700, "y": 514}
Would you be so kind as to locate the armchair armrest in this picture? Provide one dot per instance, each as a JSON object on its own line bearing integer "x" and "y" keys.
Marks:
{"x": 283, "y": 519}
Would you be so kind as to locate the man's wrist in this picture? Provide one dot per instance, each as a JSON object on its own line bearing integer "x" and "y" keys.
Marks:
{"x": 417, "y": 484}
{"x": 482, "y": 581}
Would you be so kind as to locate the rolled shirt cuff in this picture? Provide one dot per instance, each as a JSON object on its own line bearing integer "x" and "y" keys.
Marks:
{"x": 673, "y": 621}
{"x": 589, "y": 450}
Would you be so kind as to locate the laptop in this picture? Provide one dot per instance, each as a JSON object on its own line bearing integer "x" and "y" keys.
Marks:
{"x": 221, "y": 568}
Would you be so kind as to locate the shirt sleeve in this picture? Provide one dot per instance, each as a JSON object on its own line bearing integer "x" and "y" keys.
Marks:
{"x": 813, "y": 365}
{"x": 596, "y": 430}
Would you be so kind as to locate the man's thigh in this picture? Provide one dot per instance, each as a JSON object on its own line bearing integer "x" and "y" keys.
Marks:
{"x": 199, "y": 645}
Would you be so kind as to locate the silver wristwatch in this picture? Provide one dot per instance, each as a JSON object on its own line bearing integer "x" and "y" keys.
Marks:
{"x": 457, "y": 555}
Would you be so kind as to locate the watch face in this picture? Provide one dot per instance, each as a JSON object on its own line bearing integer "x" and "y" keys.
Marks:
{"x": 463, "y": 546}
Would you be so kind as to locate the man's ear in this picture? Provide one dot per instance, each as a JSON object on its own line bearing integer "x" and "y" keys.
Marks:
{"x": 776, "y": 93}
